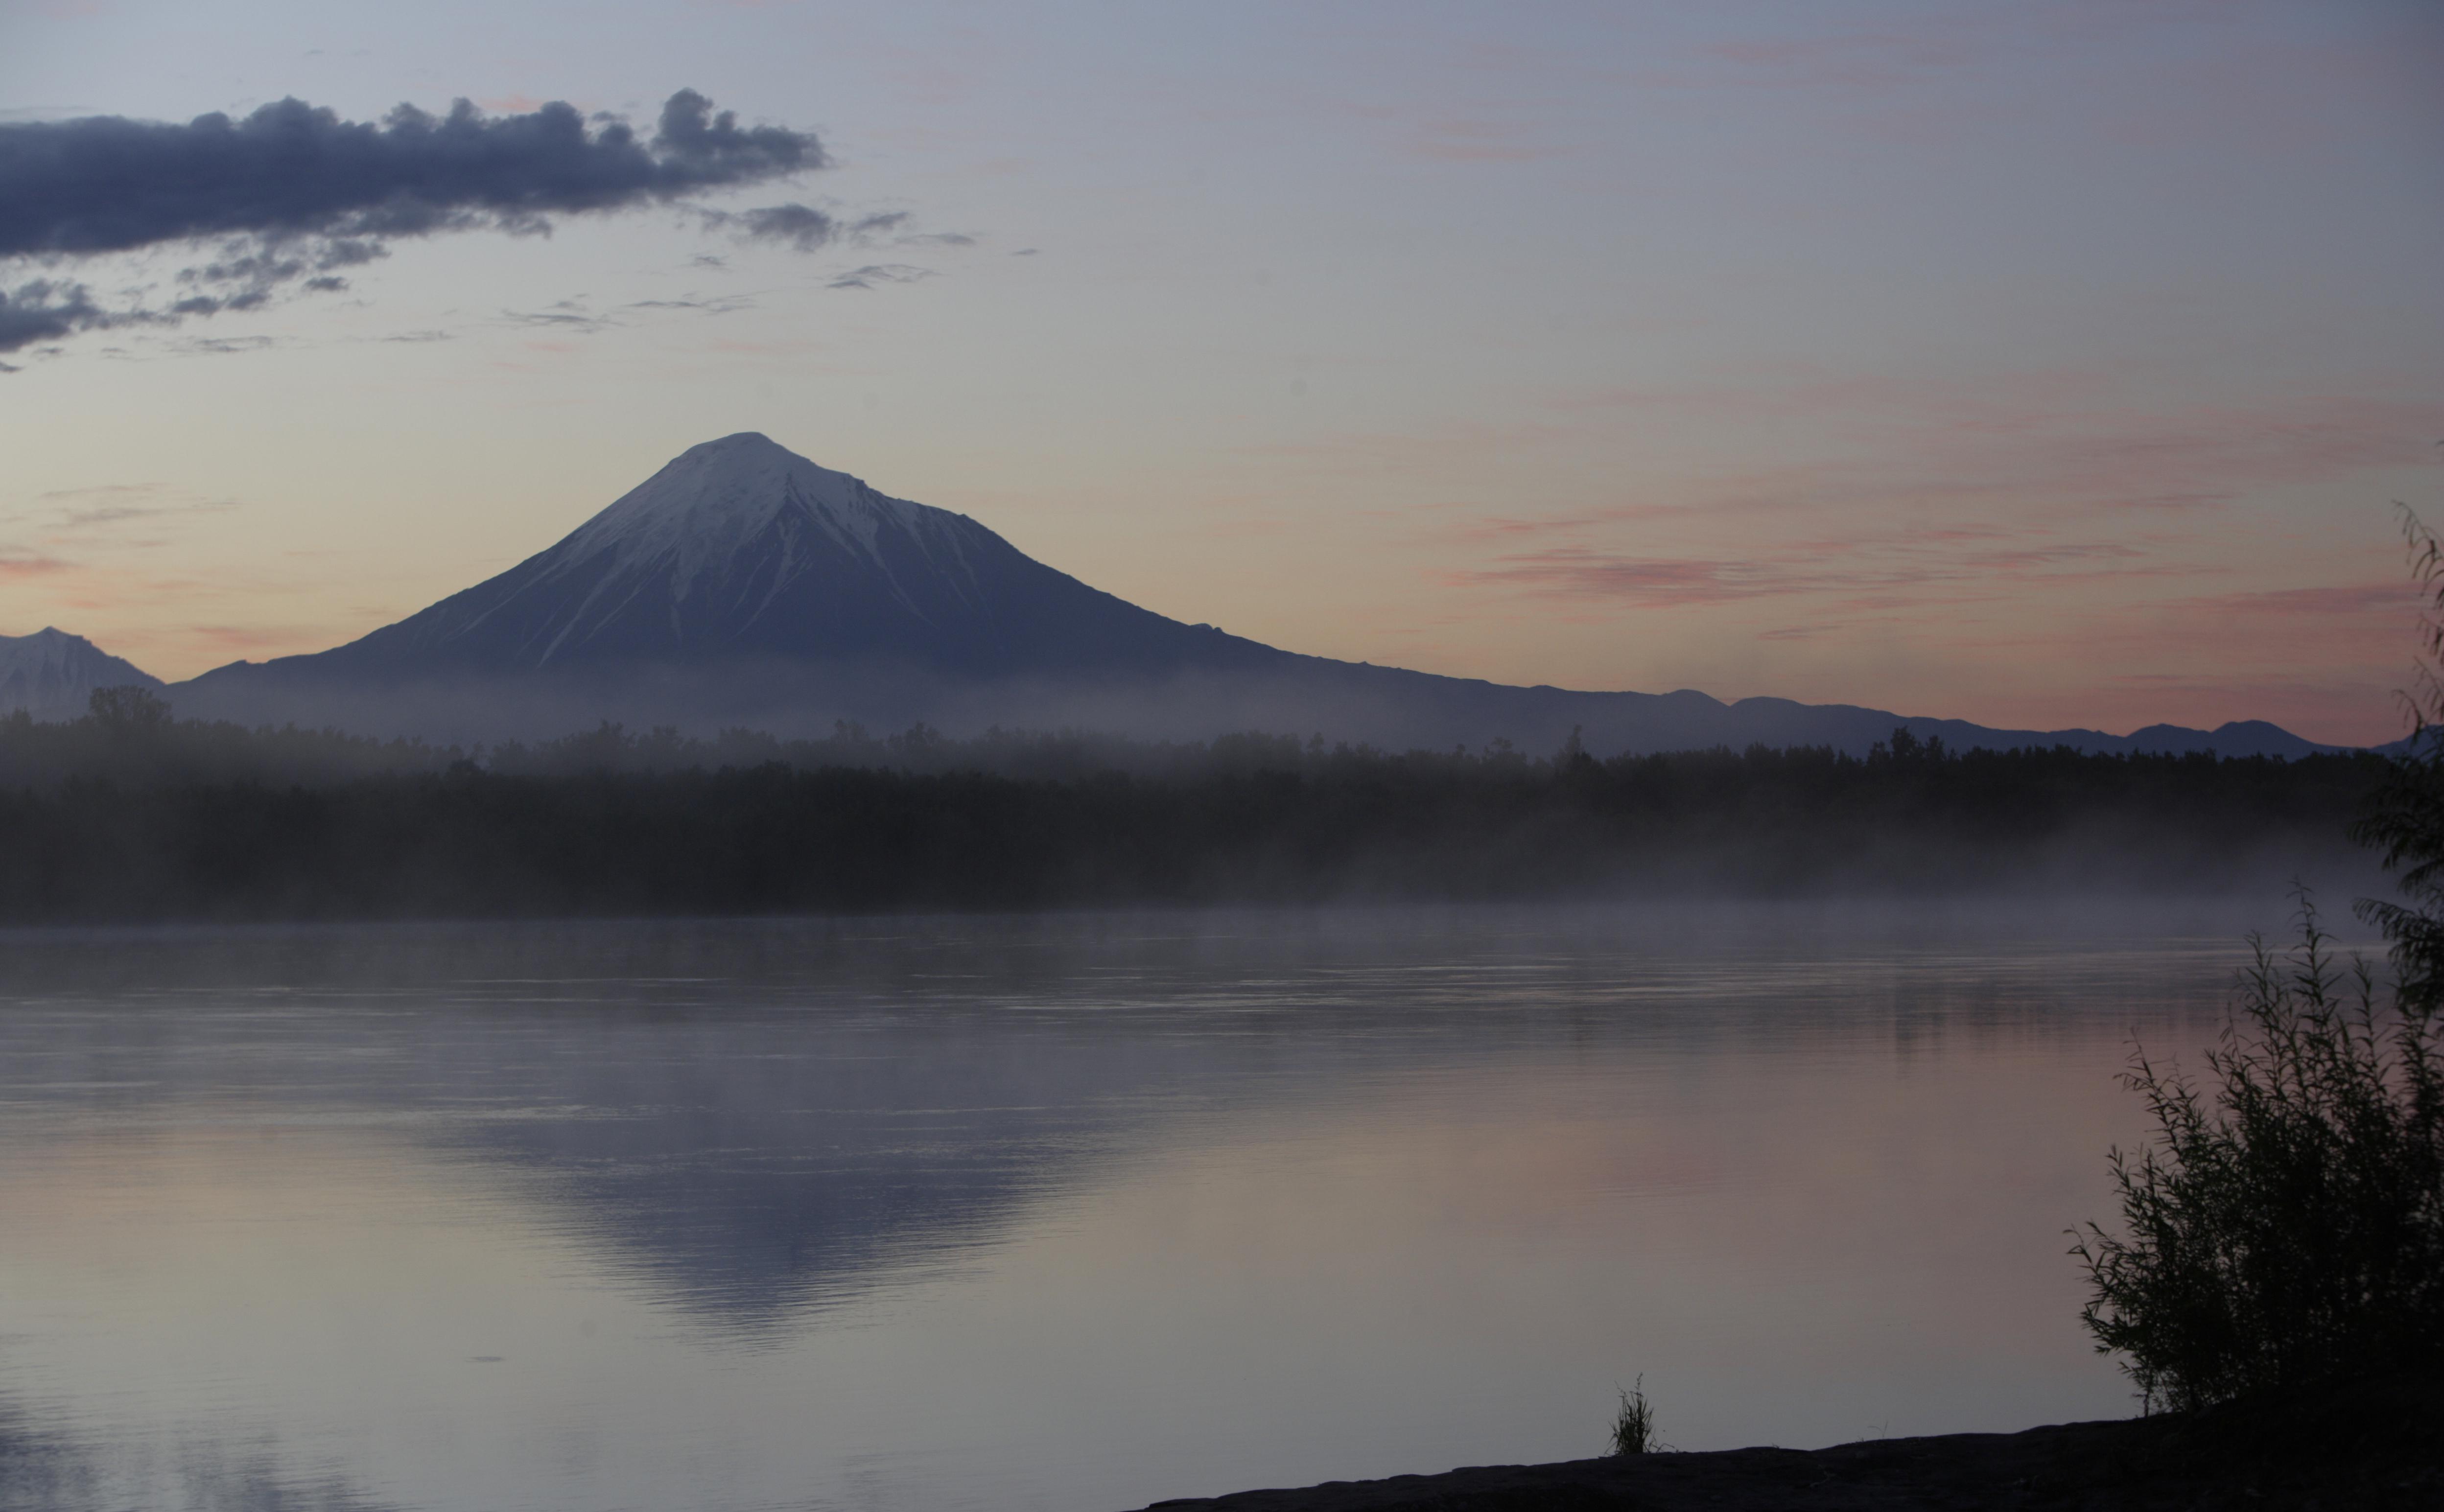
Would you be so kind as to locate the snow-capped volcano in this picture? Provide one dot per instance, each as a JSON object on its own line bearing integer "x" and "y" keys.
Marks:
{"x": 742, "y": 584}
{"x": 53, "y": 674}
{"x": 744, "y": 512}
{"x": 740, "y": 549}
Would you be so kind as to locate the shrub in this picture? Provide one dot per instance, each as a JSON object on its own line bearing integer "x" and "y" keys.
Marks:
{"x": 2294, "y": 1232}
{"x": 2404, "y": 818}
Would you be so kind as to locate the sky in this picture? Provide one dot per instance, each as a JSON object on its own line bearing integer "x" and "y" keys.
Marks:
{"x": 2037, "y": 363}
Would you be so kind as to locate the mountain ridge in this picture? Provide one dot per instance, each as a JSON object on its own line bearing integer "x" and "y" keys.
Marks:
{"x": 53, "y": 674}
{"x": 741, "y": 549}
{"x": 743, "y": 584}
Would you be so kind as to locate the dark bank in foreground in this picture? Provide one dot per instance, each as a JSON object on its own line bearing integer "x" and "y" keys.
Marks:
{"x": 2373, "y": 1445}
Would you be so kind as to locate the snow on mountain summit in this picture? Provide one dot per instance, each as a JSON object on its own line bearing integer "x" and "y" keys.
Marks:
{"x": 740, "y": 550}
{"x": 732, "y": 525}
{"x": 52, "y": 674}
{"x": 714, "y": 500}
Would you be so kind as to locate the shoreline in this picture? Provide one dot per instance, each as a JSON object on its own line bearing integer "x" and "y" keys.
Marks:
{"x": 2373, "y": 1446}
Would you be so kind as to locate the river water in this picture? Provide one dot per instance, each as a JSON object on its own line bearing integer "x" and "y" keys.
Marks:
{"x": 1073, "y": 1212}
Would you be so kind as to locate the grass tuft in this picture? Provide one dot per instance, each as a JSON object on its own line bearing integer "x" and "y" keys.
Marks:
{"x": 1633, "y": 1427}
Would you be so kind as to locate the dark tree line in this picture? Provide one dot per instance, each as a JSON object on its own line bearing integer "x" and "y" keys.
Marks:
{"x": 126, "y": 815}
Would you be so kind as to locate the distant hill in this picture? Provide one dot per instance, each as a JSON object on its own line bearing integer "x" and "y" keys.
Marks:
{"x": 52, "y": 674}
{"x": 744, "y": 585}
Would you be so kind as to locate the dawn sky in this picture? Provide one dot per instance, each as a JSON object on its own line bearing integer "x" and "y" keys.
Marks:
{"x": 2042, "y": 363}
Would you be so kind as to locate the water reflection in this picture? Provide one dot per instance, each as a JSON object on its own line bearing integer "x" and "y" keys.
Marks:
{"x": 45, "y": 1471}
{"x": 1057, "y": 1212}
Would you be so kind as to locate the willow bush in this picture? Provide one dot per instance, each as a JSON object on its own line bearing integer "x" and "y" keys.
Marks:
{"x": 2291, "y": 1229}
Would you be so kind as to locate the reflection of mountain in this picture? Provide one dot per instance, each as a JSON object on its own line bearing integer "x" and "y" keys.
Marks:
{"x": 743, "y": 1166}
{"x": 41, "y": 1468}
{"x": 397, "y": 1167}
{"x": 742, "y": 584}
{"x": 746, "y": 1119}
{"x": 749, "y": 1118}
{"x": 50, "y": 1468}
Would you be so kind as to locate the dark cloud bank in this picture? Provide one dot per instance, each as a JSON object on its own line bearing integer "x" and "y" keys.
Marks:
{"x": 291, "y": 196}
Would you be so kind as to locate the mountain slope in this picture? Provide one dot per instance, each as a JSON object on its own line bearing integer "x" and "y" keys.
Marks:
{"x": 740, "y": 549}
{"x": 52, "y": 674}
{"x": 742, "y": 584}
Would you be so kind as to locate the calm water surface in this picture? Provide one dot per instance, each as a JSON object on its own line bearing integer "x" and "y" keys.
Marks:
{"x": 1075, "y": 1212}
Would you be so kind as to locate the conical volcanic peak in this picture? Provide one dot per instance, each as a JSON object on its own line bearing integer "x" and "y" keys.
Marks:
{"x": 740, "y": 550}
{"x": 742, "y": 584}
{"x": 715, "y": 499}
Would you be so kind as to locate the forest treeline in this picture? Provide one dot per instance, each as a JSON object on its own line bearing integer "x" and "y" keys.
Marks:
{"x": 127, "y": 815}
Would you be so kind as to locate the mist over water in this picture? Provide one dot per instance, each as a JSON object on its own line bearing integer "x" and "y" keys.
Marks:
{"x": 1072, "y": 1210}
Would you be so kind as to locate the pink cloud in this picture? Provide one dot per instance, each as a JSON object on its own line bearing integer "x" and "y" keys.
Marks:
{"x": 2030, "y": 538}
{"x": 1503, "y": 527}
{"x": 1466, "y": 139}
{"x": 259, "y": 637}
{"x": 1900, "y": 568}
{"x": 2395, "y": 598}
{"x": 1853, "y": 58}
{"x": 1578, "y": 572}
{"x": 2061, "y": 444}
{"x": 1378, "y": 453}
{"x": 1236, "y": 529}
